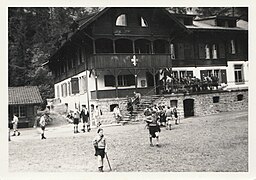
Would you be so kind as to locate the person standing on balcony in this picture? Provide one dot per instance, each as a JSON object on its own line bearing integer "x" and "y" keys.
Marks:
{"x": 84, "y": 115}
{"x": 15, "y": 121}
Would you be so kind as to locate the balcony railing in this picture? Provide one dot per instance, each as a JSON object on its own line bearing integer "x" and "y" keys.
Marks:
{"x": 102, "y": 61}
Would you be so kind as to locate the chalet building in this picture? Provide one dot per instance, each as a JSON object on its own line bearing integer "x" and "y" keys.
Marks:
{"x": 24, "y": 102}
{"x": 121, "y": 50}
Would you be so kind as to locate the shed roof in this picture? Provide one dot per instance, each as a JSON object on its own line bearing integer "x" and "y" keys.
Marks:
{"x": 24, "y": 95}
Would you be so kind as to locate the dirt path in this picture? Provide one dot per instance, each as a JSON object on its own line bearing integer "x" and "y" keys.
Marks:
{"x": 211, "y": 143}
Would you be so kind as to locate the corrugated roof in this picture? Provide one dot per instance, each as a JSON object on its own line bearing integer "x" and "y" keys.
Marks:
{"x": 24, "y": 95}
{"x": 241, "y": 25}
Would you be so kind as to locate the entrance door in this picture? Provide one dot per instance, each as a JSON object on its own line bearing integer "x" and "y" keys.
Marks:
{"x": 188, "y": 105}
{"x": 150, "y": 79}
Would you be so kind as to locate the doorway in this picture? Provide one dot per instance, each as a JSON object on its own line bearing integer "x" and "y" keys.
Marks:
{"x": 188, "y": 105}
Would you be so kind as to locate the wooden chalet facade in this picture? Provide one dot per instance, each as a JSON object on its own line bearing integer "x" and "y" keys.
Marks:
{"x": 121, "y": 50}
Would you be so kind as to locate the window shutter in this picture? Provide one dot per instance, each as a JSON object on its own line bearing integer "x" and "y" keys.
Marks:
{"x": 109, "y": 80}
{"x": 180, "y": 50}
{"x": 201, "y": 51}
{"x": 222, "y": 50}
{"x": 74, "y": 85}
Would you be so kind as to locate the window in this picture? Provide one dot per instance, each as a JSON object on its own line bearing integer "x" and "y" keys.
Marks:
{"x": 174, "y": 103}
{"x": 184, "y": 74}
{"x": 216, "y": 99}
{"x": 172, "y": 51}
{"x": 64, "y": 90}
{"x": 126, "y": 80}
{"x": 238, "y": 73}
{"x": 20, "y": 111}
{"x": 214, "y": 51}
{"x": 112, "y": 106}
{"x": 121, "y": 20}
{"x": 240, "y": 97}
{"x": 207, "y": 51}
{"x": 233, "y": 48}
{"x": 143, "y": 22}
{"x": 74, "y": 85}
{"x": 109, "y": 80}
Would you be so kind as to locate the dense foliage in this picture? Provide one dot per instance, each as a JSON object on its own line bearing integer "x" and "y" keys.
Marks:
{"x": 32, "y": 36}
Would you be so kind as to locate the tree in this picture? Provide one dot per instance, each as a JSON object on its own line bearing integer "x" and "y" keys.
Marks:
{"x": 241, "y": 12}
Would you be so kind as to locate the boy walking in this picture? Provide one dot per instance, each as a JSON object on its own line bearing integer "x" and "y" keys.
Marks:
{"x": 99, "y": 144}
{"x": 15, "y": 121}
{"x": 42, "y": 123}
{"x": 154, "y": 128}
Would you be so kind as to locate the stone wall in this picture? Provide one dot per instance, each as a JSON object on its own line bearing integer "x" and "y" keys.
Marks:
{"x": 104, "y": 105}
{"x": 203, "y": 103}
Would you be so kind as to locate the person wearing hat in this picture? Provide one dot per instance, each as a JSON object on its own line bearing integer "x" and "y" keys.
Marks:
{"x": 99, "y": 143}
{"x": 154, "y": 128}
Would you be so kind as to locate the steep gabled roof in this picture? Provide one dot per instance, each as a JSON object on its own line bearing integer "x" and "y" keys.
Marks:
{"x": 24, "y": 95}
{"x": 82, "y": 23}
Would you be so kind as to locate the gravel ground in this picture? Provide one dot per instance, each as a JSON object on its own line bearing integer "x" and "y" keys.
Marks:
{"x": 216, "y": 143}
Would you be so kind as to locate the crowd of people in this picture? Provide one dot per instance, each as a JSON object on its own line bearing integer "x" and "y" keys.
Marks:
{"x": 189, "y": 84}
{"x": 158, "y": 116}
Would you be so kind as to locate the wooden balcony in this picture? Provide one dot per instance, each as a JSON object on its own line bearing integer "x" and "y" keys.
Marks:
{"x": 111, "y": 93}
{"x": 103, "y": 61}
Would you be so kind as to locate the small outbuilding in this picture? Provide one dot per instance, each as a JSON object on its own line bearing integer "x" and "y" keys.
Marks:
{"x": 24, "y": 102}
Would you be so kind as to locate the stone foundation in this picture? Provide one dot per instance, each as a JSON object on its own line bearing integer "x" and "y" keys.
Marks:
{"x": 203, "y": 103}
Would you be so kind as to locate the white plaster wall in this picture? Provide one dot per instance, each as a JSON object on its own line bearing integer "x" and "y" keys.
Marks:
{"x": 101, "y": 83}
{"x": 231, "y": 74}
{"x": 79, "y": 98}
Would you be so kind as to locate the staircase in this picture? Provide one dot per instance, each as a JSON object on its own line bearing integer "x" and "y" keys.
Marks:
{"x": 138, "y": 110}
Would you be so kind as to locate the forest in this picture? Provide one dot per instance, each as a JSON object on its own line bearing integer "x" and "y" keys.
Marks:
{"x": 33, "y": 34}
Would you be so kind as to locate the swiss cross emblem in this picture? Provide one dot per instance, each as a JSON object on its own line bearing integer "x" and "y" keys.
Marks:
{"x": 134, "y": 60}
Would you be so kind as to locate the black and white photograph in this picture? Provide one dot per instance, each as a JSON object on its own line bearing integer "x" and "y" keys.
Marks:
{"x": 128, "y": 89}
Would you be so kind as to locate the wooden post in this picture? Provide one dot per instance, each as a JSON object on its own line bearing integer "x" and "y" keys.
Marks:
{"x": 96, "y": 84}
{"x": 116, "y": 82}
{"x": 154, "y": 78}
{"x": 94, "y": 46}
{"x": 135, "y": 75}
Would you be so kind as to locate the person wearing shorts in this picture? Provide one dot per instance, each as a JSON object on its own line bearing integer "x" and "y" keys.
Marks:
{"x": 154, "y": 128}
{"x": 168, "y": 114}
{"x": 84, "y": 115}
{"x": 76, "y": 121}
{"x": 99, "y": 144}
